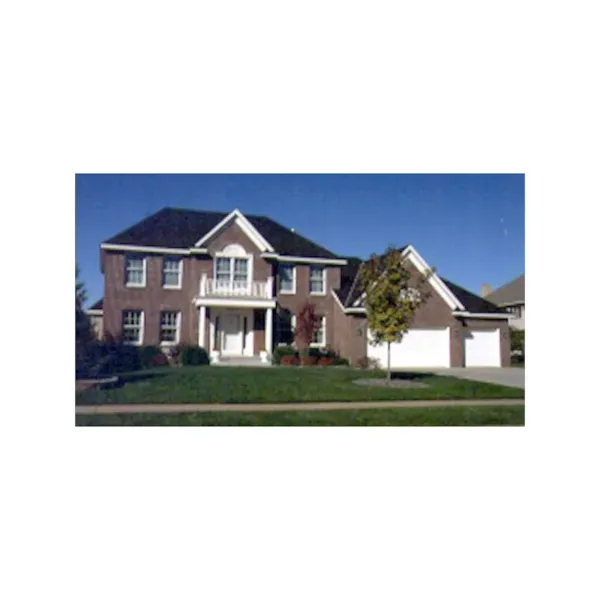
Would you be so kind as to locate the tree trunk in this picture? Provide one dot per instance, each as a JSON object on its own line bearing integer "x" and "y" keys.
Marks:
{"x": 389, "y": 367}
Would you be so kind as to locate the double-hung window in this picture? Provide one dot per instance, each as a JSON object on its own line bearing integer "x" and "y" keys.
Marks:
{"x": 172, "y": 272}
{"x": 319, "y": 335}
{"x": 135, "y": 271}
{"x": 317, "y": 280}
{"x": 231, "y": 273}
{"x": 169, "y": 327}
{"x": 287, "y": 279}
{"x": 133, "y": 327}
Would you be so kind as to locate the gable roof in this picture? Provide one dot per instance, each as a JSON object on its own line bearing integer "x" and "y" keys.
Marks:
{"x": 182, "y": 228}
{"x": 472, "y": 302}
{"x": 512, "y": 292}
{"x": 97, "y": 306}
{"x": 349, "y": 291}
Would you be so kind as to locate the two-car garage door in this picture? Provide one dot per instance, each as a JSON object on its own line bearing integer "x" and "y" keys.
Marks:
{"x": 431, "y": 348}
{"x": 418, "y": 348}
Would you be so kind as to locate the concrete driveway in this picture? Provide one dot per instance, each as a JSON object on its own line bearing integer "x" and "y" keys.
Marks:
{"x": 511, "y": 376}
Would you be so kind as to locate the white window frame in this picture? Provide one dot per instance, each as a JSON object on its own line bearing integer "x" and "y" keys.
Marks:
{"x": 143, "y": 259}
{"x": 224, "y": 255}
{"x": 322, "y": 268}
{"x": 324, "y": 342}
{"x": 293, "y": 290}
{"x": 140, "y": 340}
{"x": 293, "y": 327}
{"x": 179, "y": 272}
{"x": 177, "y": 328}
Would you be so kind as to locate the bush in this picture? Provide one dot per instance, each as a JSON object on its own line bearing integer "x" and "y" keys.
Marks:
{"x": 289, "y": 359}
{"x": 103, "y": 359}
{"x": 308, "y": 361}
{"x": 282, "y": 351}
{"x": 368, "y": 363}
{"x": 193, "y": 355}
{"x": 149, "y": 355}
{"x": 325, "y": 361}
{"x": 517, "y": 343}
{"x": 339, "y": 361}
{"x": 159, "y": 360}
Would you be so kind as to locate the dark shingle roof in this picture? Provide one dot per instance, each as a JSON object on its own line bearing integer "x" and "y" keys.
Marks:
{"x": 472, "y": 302}
{"x": 181, "y": 228}
{"x": 97, "y": 305}
{"x": 513, "y": 291}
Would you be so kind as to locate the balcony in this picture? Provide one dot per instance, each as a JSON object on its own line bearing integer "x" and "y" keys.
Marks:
{"x": 214, "y": 288}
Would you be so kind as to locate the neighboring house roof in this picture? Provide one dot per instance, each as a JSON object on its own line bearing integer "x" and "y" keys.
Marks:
{"x": 182, "y": 228}
{"x": 511, "y": 293}
{"x": 472, "y": 302}
{"x": 97, "y": 305}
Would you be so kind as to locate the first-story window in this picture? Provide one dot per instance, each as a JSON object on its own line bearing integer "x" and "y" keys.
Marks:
{"x": 169, "y": 327}
{"x": 319, "y": 335}
{"x": 133, "y": 325}
{"x": 284, "y": 328}
{"x": 287, "y": 279}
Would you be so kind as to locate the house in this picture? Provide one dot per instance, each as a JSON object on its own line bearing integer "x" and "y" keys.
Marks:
{"x": 95, "y": 313}
{"x": 234, "y": 284}
{"x": 510, "y": 297}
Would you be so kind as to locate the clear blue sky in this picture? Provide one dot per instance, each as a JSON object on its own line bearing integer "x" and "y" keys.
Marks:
{"x": 470, "y": 227}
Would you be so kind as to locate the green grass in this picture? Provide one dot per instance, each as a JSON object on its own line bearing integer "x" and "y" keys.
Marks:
{"x": 241, "y": 385}
{"x": 455, "y": 415}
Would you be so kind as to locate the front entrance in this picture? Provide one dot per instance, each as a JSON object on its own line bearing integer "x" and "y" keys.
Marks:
{"x": 231, "y": 334}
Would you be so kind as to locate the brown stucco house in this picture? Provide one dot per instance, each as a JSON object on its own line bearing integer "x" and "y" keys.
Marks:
{"x": 234, "y": 284}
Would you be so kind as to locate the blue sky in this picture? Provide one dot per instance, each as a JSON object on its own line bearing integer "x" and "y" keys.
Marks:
{"x": 470, "y": 227}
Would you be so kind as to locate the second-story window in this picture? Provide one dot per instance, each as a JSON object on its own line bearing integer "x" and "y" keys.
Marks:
{"x": 317, "y": 280}
{"x": 240, "y": 269}
{"x": 231, "y": 269}
{"x": 172, "y": 272}
{"x": 135, "y": 271}
{"x": 287, "y": 279}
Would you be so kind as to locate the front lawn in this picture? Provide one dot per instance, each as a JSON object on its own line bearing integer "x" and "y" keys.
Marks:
{"x": 454, "y": 415}
{"x": 279, "y": 384}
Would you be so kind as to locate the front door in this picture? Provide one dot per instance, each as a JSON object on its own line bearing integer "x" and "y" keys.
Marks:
{"x": 231, "y": 331}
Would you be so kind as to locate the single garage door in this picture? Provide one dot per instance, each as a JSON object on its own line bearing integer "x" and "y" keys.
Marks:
{"x": 418, "y": 348}
{"x": 482, "y": 348}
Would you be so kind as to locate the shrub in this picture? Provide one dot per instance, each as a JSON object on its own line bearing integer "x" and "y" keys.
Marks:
{"x": 325, "y": 361}
{"x": 159, "y": 360}
{"x": 107, "y": 358}
{"x": 368, "y": 363}
{"x": 308, "y": 361}
{"x": 339, "y": 361}
{"x": 148, "y": 356}
{"x": 289, "y": 359}
{"x": 193, "y": 355}
{"x": 280, "y": 352}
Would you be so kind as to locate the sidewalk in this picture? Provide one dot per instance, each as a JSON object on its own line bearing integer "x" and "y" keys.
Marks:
{"x": 107, "y": 409}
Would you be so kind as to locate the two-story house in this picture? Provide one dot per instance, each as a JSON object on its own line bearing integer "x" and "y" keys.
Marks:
{"x": 510, "y": 297}
{"x": 234, "y": 284}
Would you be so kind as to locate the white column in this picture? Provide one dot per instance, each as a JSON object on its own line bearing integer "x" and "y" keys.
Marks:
{"x": 269, "y": 332}
{"x": 269, "y": 287}
{"x": 203, "y": 285}
{"x": 202, "y": 328}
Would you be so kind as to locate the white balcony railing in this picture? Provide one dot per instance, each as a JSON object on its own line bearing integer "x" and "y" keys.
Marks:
{"x": 236, "y": 289}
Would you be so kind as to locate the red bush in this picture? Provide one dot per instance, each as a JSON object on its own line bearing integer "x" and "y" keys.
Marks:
{"x": 289, "y": 359}
{"x": 325, "y": 361}
{"x": 308, "y": 361}
{"x": 159, "y": 360}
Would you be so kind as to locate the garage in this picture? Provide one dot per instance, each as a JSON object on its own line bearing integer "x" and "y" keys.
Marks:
{"x": 482, "y": 348}
{"x": 418, "y": 348}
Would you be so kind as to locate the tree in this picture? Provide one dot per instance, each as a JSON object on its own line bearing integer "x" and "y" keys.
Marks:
{"x": 84, "y": 334}
{"x": 392, "y": 296}
{"x": 306, "y": 326}
{"x": 517, "y": 343}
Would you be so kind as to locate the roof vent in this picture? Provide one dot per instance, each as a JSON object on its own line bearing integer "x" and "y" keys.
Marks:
{"x": 293, "y": 230}
{"x": 486, "y": 290}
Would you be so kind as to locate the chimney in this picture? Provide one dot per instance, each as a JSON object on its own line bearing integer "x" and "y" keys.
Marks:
{"x": 486, "y": 290}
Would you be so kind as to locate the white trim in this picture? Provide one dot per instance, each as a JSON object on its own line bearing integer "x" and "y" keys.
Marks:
{"x": 287, "y": 292}
{"x": 347, "y": 310}
{"x": 304, "y": 259}
{"x": 357, "y": 310}
{"x": 152, "y": 249}
{"x": 144, "y": 269}
{"x": 140, "y": 341}
{"x": 202, "y": 327}
{"x": 323, "y": 344}
{"x": 338, "y": 300}
{"x": 177, "y": 328}
{"x": 94, "y": 312}
{"x": 324, "y": 292}
{"x": 234, "y": 302}
{"x": 471, "y": 315}
{"x": 244, "y": 225}
{"x": 180, "y": 273}
{"x": 232, "y": 258}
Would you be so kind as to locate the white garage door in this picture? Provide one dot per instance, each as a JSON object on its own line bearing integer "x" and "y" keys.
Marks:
{"x": 482, "y": 348}
{"x": 418, "y": 348}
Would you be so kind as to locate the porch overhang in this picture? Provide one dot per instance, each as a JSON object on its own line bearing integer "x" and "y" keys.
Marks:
{"x": 235, "y": 302}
